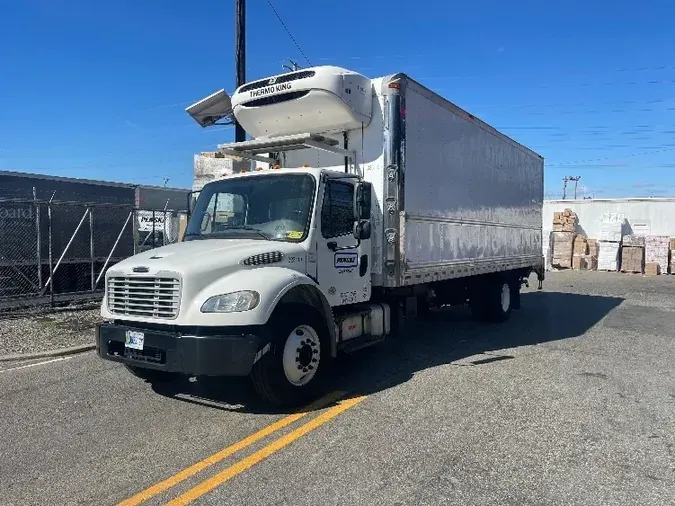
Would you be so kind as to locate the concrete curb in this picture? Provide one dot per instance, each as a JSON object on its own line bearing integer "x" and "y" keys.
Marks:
{"x": 48, "y": 354}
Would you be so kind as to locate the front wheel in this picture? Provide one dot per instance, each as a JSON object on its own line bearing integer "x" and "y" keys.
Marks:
{"x": 295, "y": 367}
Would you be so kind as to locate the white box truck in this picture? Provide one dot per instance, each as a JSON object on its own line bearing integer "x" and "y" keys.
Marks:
{"x": 366, "y": 202}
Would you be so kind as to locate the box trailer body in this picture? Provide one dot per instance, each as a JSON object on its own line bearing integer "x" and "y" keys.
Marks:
{"x": 369, "y": 200}
{"x": 454, "y": 196}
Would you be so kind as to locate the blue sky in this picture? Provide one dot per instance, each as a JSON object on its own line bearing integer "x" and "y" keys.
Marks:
{"x": 98, "y": 89}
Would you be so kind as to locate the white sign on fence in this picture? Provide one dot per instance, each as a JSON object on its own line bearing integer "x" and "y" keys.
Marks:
{"x": 147, "y": 222}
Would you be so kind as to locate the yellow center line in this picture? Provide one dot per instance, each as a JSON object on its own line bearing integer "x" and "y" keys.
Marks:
{"x": 164, "y": 485}
{"x": 241, "y": 466}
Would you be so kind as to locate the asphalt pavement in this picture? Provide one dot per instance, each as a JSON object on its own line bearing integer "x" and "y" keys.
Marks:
{"x": 571, "y": 402}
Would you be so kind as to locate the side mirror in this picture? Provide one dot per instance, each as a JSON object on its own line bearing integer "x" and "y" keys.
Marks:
{"x": 362, "y": 230}
{"x": 362, "y": 201}
{"x": 191, "y": 201}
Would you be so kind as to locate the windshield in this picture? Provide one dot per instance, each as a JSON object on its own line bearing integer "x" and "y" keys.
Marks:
{"x": 275, "y": 207}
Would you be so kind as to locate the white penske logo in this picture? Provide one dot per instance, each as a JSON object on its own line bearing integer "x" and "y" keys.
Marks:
{"x": 270, "y": 90}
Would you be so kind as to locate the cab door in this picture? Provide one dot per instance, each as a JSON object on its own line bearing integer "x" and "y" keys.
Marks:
{"x": 343, "y": 270}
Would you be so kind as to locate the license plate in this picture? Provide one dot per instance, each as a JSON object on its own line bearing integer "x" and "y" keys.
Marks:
{"x": 134, "y": 340}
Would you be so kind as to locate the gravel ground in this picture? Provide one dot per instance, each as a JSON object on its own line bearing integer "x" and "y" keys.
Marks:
{"x": 48, "y": 331}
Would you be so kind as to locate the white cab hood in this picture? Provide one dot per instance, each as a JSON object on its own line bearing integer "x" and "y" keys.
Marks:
{"x": 212, "y": 256}
{"x": 207, "y": 267}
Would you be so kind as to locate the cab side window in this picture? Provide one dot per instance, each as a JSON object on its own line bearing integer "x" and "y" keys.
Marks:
{"x": 337, "y": 212}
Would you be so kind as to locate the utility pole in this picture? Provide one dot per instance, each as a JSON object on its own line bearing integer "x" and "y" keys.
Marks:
{"x": 576, "y": 182}
{"x": 240, "y": 57}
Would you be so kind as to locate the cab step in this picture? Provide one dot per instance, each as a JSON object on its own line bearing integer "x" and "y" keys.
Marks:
{"x": 359, "y": 343}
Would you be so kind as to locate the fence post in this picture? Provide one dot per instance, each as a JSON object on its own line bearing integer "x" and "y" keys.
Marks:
{"x": 154, "y": 237}
{"x": 91, "y": 245}
{"x": 38, "y": 237}
{"x": 51, "y": 255}
{"x": 134, "y": 229}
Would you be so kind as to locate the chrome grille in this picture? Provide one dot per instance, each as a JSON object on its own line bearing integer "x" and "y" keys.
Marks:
{"x": 156, "y": 297}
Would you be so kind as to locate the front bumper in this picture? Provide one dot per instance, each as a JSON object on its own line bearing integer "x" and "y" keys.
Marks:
{"x": 212, "y": 355}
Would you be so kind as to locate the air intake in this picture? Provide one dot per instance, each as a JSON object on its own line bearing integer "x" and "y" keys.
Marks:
{"x": 271, "y": 257}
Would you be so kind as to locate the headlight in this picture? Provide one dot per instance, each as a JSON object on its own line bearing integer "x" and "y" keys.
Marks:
{"x": 231, "y": 302}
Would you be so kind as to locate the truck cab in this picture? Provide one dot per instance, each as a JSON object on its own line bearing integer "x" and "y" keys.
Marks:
{"x": 312, "y": 221}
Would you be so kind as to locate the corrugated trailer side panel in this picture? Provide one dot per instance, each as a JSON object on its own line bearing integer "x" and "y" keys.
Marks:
{"x": 472, "y": 198}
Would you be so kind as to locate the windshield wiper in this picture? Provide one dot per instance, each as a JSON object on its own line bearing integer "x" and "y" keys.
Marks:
{"x": 250, "y": 229}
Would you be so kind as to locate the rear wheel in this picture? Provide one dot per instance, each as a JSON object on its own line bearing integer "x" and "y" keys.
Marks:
{"x": 295, "y": 368}
{"x": 492, "y": 301}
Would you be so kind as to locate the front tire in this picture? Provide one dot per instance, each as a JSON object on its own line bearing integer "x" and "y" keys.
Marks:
{"x": 294, "y": 370}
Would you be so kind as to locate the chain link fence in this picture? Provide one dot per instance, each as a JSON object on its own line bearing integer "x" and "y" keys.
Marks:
{"x": 57, "y": 253}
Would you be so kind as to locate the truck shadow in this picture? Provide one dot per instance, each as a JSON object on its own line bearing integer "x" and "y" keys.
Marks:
{"x": 448, "y": 336}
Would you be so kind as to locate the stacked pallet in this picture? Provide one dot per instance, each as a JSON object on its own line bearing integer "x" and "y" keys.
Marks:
{"x": 633, "y": 254}
{"x": 565, "y": 221}
{"x": 562, "y": 239}
{"x": 584, "y": 254}
{"x": 562, "y": 243}
{"x": 593, "y": 251}
{"x": 611, "y": 229}
{"x": 579, "y": 252}
{"x": 656, "y": 254}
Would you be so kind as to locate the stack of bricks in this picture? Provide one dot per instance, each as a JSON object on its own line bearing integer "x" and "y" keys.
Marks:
{"x": 672, "y": 255}
{"x": 633, "y": 254}
{"x": 565, "y": 221}
{"x": 656, "y": 254}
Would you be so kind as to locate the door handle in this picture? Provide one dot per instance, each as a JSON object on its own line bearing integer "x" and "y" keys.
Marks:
{"x": 332, "y": 245}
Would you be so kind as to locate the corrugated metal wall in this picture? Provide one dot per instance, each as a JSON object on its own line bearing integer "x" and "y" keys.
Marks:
{"x": 643, "y": 216}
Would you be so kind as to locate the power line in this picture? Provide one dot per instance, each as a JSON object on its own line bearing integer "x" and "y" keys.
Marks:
{"x": 644, "y": 153}
{"x": 592, "y": 127}
{"x": 289, "y": 32}
{"x": 560, "y": 85}
{"x": 415, "y": 57}
{"x": 577, "y": 104}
